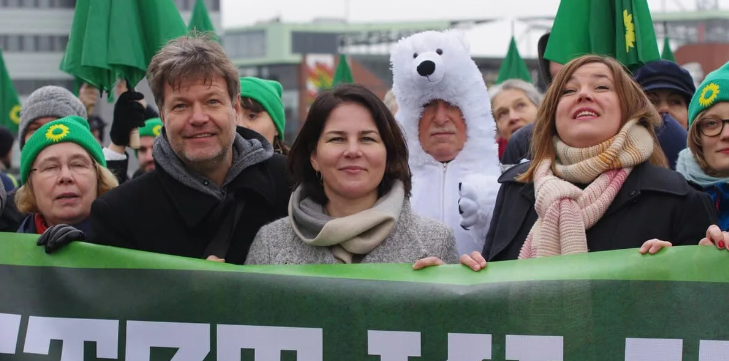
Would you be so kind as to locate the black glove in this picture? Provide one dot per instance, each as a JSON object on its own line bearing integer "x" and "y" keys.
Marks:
{"x": 58, "y": 236}
{"x": 128, "y": 114}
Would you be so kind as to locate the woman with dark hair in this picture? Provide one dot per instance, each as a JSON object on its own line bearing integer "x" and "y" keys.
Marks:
{"x": 599, "y": 179}
{"x": 351, "y": 203}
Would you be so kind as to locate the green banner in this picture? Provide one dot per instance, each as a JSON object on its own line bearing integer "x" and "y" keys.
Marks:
{"x": 91, "y": 302}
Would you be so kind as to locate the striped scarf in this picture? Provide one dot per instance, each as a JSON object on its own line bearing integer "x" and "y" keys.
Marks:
{"x": 565, "y": 211}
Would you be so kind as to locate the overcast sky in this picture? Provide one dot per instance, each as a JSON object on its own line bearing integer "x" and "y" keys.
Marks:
{"x": 486, "y": 40}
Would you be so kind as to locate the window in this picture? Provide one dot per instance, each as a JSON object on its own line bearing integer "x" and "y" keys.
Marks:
{"x": 314, "y": 43}
{"x": 44, "y": 43}
{"x": 250, "y": 44}
{"x": 27, "y": 86}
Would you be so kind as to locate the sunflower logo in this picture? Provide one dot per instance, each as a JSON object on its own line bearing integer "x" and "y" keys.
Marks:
{"x": 156, "y": 130}
{"x": 709, "y": 94}
{"x": 57, "y": 132}
{"x": 629, "y": 31}
{"x": 15, "y": 114}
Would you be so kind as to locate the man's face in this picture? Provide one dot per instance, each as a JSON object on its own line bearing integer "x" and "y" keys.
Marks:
{"x": 144, "y": 153}
{"x": 200, "y": 122}
{"x": 442, "y": 130}
{"x": 669, "y": 102}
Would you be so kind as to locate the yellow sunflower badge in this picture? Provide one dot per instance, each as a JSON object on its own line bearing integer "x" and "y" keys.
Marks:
{"x": 156, "y": 130}
{"x": 15, "y": 114}
{"x": 709, "y": 94}
{"x": 629, "y": 31}
{"x": 57, "y": 132}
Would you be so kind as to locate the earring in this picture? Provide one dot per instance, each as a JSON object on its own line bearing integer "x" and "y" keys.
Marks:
{"x": 318, "y": 176}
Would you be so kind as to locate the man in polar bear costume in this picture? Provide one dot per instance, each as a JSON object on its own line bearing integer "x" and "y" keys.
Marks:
{"x": 445, "y": 112}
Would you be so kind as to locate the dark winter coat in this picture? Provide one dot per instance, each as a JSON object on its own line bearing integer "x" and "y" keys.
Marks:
{"x": 157, "y": 213}
{"x": 653, "y": 202}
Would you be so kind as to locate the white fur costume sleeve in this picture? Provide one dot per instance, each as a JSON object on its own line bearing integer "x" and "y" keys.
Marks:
{"x": 437, "y": 65}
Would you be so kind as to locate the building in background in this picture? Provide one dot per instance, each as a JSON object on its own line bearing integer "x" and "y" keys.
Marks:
{"x": 33, "y": 37}
{"x": 302, "y": 56}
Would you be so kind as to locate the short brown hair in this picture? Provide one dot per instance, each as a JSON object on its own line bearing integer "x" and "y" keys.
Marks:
{"x": 191, "y": 57}
{"x": 25, "y": 200}
{"x": 299, "y": 159}
{"x": 634, "y": 104}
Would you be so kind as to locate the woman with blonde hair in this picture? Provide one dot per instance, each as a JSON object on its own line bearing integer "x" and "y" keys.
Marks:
{"x": 62, "y": 169}
{"x": 598, "y": 180}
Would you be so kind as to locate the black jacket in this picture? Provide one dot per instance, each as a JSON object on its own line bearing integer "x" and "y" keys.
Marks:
{"x": 156, "y": 213}
{"x": 653, "y": 202}
{"x": 11, "y": 218}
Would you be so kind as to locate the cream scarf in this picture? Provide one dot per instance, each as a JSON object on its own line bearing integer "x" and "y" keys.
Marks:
{"x": 565, "y": 211}
{"x": 346, "y": 236}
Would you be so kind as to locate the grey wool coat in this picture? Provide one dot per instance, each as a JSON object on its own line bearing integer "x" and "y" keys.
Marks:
{"x": 413, "y": 238}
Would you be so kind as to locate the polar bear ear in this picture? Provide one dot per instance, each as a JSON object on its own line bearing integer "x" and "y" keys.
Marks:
{"x": 460, "y": 36}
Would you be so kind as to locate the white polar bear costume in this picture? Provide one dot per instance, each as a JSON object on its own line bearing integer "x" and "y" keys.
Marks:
{"x": 462, "y": 192}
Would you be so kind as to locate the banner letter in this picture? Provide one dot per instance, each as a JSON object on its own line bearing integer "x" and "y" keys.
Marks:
{"x": 191, "y": 339}
{"x": 714, "y": 350}
{"x": 469, "y": 347}
{"x": 534, "y": 348}
{"x": 268, "y": 342}
{"x": 393, "y": 345}
{"x": 9, "y": 329}
{"x": 653, "y": 349}
{"x": 73, "y": 332}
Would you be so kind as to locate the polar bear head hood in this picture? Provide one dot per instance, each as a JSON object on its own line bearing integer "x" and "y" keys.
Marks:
{"x": 437, "y": 66}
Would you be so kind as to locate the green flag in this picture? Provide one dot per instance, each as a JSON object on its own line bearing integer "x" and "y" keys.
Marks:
{"x": 342, "y": 75}
{"x": 622, "y": 29}
{"x": 118, "y": 39}
{"x": 667, "y": 53}
{"x": 513, "y": 66}
{"x": 9, "y": 103}
{"x": 200, "y": 19}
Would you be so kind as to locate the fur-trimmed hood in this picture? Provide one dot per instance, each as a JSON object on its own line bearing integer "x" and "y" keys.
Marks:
{"x": 455, "y": 79}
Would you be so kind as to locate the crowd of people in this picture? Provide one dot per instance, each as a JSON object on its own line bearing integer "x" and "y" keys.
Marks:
{"x": 443, "y": 170}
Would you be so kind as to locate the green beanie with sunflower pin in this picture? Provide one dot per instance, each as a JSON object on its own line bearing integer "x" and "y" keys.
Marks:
{"x": 152, "y": 128}
{"x": 714, "y": 89}
{"x": 71, "y": 129}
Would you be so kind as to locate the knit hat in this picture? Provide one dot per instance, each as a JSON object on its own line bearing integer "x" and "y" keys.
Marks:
{"x": 268, "y": 94}
{"x": 69, "y": 129}
{"x": 152, "y": 128}
{"x": 664, "y": 74}
{"x": 48, "y": 101}
{"x": 714, "y": 89}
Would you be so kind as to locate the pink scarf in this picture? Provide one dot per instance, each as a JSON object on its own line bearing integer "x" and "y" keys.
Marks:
{"x": 565, "y": 211}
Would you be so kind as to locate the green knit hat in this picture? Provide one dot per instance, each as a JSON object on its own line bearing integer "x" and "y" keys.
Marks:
{"x": 152, "y": 128}
{"x": 268, "y": 94}
{"x": 714, "y": 89}
{"x": 69, "y": 129}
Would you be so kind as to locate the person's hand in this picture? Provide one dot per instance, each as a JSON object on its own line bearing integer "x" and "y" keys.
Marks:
{"x": 215, "y": 259}
{"x": 88, "y": 95}
{"x": 128, "y": 114}
{"x": 474, "y": 261}
{"x": 715, "y": 237}
{"x": 59, "y": 236}
{"x": 653, "y": 246}
{"x": 427, "y": 262}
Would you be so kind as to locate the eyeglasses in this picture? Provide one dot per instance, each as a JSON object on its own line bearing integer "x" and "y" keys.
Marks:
{"x": 712, "y": 127}
{"x": 53, "y": 170}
